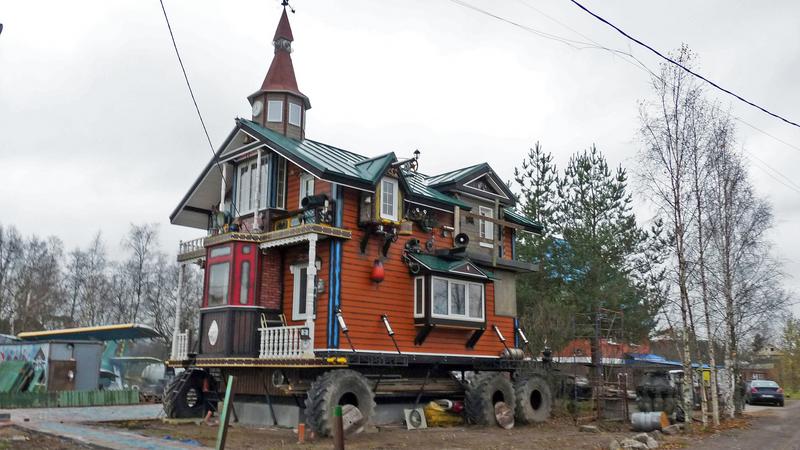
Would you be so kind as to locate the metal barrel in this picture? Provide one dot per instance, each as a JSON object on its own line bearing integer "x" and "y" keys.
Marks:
{"x": 649, "y": 421}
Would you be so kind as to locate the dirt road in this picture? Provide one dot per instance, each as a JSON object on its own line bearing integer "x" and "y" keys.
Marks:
{"x": 772, "y": 428}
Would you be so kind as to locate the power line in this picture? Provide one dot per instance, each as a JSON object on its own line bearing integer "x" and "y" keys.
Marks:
{"x": 196, "y": 107}
{"x": 569, "y": 42}
{"x": 788, "y": 182}
{"x": 636, "y": 62}
{"x": 666, "y": 58}
{"x": 640, "y": 65}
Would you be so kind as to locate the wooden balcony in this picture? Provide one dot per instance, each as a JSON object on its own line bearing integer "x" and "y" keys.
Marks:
{"x": 192, "y": 250}
{"x": 285, "y": 227}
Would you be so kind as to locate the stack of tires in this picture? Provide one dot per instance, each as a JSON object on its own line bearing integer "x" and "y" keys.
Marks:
{"x": 655, "y": 392}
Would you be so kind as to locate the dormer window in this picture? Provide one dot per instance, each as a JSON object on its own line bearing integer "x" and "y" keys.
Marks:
{"x": 295, "y": 114}
{"x": 389, "y": 199}
{"x": 275, "y": 111}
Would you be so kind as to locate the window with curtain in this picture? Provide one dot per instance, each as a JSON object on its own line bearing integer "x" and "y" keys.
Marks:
{"x": 456, "y": 299}
{"x": 248, "y": 183}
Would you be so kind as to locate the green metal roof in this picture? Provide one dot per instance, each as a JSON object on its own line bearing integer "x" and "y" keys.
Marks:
{"x": 450, "y": 266}
{"x": 373, "y": 168}
{"x": 333, "y": 161}
{"x": 323, "y": 157}
{"x": 417, "y": 184}
{"x": 515, "y": 217}
{"x": 454, "y": 175}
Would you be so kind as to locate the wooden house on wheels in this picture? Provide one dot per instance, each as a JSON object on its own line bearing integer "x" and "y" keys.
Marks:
{"x": 335, "y": 278}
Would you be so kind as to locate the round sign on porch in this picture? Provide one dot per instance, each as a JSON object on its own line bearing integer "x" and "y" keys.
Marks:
{"x": 213, "y": 333}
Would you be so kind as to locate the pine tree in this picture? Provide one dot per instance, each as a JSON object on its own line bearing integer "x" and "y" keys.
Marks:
{"x": 547, "y": 319}
{"x": 607, "y": 259}
{"x": 592, "y": 253}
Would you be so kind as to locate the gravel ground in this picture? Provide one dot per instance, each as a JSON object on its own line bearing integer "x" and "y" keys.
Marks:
{"x": 771, "y": 428}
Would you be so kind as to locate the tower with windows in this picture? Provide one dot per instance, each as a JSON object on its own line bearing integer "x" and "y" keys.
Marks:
{"x": 278, "y": 104}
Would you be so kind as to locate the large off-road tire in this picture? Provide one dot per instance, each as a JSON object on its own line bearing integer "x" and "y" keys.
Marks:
{"x": 337, "y": 387}
{"x": 183, "y": 396}
{"x": 534, "y": 399}
{"x": 484, "y": 390}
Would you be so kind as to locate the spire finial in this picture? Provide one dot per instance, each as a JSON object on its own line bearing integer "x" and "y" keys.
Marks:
{"x": 285, "y": 4}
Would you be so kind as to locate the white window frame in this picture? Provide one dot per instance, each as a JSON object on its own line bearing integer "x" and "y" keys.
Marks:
{"x": 252, "y": 183}
{"x": 466, "y": 316}
{"x": 243, "y": 174}
{"x": 306, "y": 187}
{"x": 486, "y": 228}
{"x": 417, "y": 301}
{"x": 280, "y": 184}
{"x": 275, "y": 111}
{"x": 295, "y": 110}
{"x": 394, "y": 216}
{"x": 296, "y": 270}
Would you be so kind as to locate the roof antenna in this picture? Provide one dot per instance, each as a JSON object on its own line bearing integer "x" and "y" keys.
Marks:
{"x": 285, "y": 3}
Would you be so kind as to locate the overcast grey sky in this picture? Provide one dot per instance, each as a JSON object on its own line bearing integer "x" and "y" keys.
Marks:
{"x": 97, "y": 129}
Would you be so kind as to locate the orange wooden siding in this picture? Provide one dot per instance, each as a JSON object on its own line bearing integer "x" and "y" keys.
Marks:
{"x": 363, "y": 301}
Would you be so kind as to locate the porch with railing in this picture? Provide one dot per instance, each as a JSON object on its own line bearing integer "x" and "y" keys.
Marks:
{"x": 285, "y": 342}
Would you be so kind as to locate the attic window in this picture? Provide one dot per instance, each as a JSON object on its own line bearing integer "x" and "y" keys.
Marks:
{"x": 275, "y": 111}
{"x": 389, "y": 199}
{"x": 295, "y": 114}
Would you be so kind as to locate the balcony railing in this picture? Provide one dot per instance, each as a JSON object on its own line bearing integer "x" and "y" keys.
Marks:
{"x": 285, "y": 342}
{"x": 180, "y": 346}
{"x": 193, "y": 249}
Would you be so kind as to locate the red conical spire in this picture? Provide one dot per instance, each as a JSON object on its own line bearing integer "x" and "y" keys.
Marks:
{"x": 280, "y": 76}
{"x": 284, "y": 29}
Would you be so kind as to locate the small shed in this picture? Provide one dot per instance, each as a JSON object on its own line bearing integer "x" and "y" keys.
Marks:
{"x": 57, "y": 365}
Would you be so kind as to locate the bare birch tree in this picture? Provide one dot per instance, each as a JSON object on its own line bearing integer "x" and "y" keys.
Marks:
{"x": 745, "y": 274}
{"x": 141, "y": 242}
{"x": 666, "y": 131}
{"x": 719, "y": 133}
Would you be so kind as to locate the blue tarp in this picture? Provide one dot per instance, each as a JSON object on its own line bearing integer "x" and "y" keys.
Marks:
{"x": 658, "y": 360}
